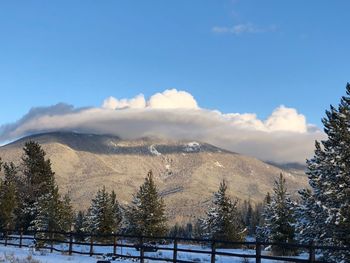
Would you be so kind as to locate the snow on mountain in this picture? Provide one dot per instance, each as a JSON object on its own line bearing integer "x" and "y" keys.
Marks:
{"x": 154, "y": 151}
{"x": 192, "y": 147}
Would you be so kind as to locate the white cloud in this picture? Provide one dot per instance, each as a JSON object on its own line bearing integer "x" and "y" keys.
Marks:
{"x": 286, "y": 119}
{"x": 243, "y": 29}
{"x": 285, "y": 136}
{"x": 172, "y": 99}
{"x": 168, "y": 99}
{"x": 138, "y": 102}
{"x": 282, "y": 119}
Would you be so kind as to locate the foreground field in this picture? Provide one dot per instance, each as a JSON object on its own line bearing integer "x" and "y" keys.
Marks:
{"x": 28, "y": 255}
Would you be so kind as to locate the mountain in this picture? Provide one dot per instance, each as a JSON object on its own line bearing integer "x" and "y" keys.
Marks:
{"x": 187, "y": 172}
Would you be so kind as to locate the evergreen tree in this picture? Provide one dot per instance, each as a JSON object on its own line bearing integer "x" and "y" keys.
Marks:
{"x": 279, "y": 218}
{"x": 8, "y": 197}
{"x": 185, "y": 231}
{"x": 325, "y": 210}
{"x": 79, "y": 225}
{"x": 267, "y": 199}
{"x": 116, "y": 211}
{"x": 176, "y": 231}
{"x": 146, "y": 214}
{"x": 38, "y": 179}
{"x": 257, "y": 218}
{"x": 52, "y": 213}
{"x": 37, "y": 170}
{"x": 198, "y": 229}
{"x": 40, "y": 204}
{"x": 223, "y": 220}
{"x": 104, "y": 214}
{"x": 66, "y": 213}
{"x": 189, "y": 230}
{"x": 248, "y": 218}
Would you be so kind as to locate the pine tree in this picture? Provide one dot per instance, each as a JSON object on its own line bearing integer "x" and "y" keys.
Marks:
{"x": 267, "y": 199}
{"x": 325, "y": 210}
{"x": 223, "y": 220}
{"x": 52, "y": 213}
{"x": 79, "y": 225}
{"x": 146, "y": 214}
{"x": 279, "y": 218}
{"x": 257, "y": 219}
{"x": 8, "y": 197}
{"x": 248, "y": 218}
{"x": 40, "y": 204}
{"x": 189, "y": 230}
{"x": 38, "y": 179}
{"x": 66, "y": 213}
{"x": 198, "y": 229}
{"x": 104, "y": 214}
{"x": 117, "y": 212}
{"x": 263, "y": 231}
{"x": 37, "y": 169}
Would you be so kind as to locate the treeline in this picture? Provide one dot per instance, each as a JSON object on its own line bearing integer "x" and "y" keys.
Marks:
{"x": 245, "y": 216}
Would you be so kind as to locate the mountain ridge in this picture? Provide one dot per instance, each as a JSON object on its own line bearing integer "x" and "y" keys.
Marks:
{"x": 186, "y": 172}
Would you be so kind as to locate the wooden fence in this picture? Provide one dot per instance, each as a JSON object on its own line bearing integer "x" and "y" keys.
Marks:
{"x": 143, "y": 244}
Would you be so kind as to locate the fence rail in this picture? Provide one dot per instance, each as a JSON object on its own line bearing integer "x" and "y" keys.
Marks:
{"x": 147, "y": 244}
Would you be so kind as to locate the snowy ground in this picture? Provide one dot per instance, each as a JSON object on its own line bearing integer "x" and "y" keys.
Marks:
{"x": 11, "y": 254}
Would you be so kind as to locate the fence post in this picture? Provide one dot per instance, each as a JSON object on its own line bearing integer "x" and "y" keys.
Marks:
{"x": 34, "y": 240}
{"x": 212, "y": 252}
{"x": 114, "y": 244}
{"x": 258, "y": 252}
{"x": 91, "y": 245}
{"x": 6, "y": 233}
{"x": 70, "y": 243}
{"x": 51, "y": 242}
{"x": 20, "y": 237}
{"x": 311, "y": 253}
{"x": 142, "y": 254}
{"x": 175, "y": 250}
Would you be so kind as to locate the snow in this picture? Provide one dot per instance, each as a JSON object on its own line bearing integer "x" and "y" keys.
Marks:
{"x": 8, "y": 253}
{"x": 218, "y": 164}
{"x": 46, "y": 256}
{"x": 154, "y": 151}
{"x": 113, "y": 144}
{"x": 192, "y": 147}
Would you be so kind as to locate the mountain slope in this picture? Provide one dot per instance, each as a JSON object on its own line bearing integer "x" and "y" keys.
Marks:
{"x": 187, "y": 173}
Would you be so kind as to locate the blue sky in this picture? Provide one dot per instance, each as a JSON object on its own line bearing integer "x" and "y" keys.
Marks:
{"x": 234, "y": 56}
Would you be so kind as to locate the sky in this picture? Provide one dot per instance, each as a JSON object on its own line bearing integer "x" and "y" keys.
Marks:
{"x": 257, "y": 64}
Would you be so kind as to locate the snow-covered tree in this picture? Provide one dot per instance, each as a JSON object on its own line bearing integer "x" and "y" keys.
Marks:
{"x": 52, "y": 213}
{"x": 325, "y": 210}
{"x": 104, "y": 214}
{"x": 279, "y": 219}
{"x": 223, "y": 221}
{"x": 146, "y": 214}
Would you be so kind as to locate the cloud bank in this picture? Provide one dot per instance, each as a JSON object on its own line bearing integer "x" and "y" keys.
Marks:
{"x": 285, "y": 136}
